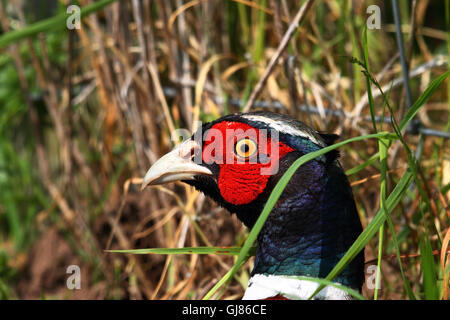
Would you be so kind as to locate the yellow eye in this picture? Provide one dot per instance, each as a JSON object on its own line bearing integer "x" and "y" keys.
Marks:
{"x": 245, "y": 148}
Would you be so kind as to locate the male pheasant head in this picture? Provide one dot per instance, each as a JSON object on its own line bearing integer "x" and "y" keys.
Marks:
{"x": 237, "y": 160}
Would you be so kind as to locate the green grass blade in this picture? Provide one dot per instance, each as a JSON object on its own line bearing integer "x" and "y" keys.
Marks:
{"x": 434, "y": 85}
{"x": 428, "y": 268}
{"x": 399, "y": 260}
{"x": 224, "y": 279}
{"x": 355, "y": 49}
{"x": 383, "y": 147}
{"x": 258, "y": 46}
{"x": 50, "y": 24}
{"x": 243, "y": 20}
{"x": 360, "y": 167}
{"x": 368, "y": 84}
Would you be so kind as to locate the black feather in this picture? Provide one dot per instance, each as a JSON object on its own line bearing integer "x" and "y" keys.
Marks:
{"x": 329, "y": 138}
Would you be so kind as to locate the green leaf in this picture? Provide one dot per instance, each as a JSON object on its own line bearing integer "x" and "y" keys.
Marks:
{"x": 50, "y": 24}
{"x": 368, "y": 84}
{"x": 434, "y": 85}
{"x": 428, "y": 267}
{"x": 360, "y": 167}
{"x": 383, "y": 151}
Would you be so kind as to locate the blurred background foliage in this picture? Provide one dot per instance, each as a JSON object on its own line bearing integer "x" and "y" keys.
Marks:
{"x": 85, "y": 112}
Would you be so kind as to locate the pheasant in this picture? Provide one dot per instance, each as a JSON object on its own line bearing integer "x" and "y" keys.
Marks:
{"x": 237, "y": 161}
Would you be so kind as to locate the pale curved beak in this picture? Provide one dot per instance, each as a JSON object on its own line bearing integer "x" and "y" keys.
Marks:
{"x": 176, "y": 165}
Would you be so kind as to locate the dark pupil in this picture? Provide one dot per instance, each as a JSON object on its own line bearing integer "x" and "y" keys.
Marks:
{"x": 244, "y": 148}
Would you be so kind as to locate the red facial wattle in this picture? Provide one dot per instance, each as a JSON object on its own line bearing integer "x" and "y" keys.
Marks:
{"x": 241, "y": 181}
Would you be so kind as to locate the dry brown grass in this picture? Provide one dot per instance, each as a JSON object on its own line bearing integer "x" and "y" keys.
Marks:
{"x": 140, "y": 69}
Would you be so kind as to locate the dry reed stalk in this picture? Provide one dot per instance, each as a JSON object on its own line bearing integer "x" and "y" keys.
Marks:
{"x": 281, "y": 47}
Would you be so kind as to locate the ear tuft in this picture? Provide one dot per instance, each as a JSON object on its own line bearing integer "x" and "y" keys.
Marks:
{"x": 332, "y": 155}
{"x": 329, "y": 138}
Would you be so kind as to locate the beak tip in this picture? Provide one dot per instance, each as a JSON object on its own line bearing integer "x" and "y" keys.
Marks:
{"x": 145, "y": 184}
{"x": 174, "y": 167}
